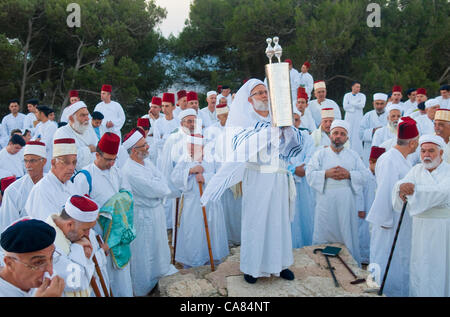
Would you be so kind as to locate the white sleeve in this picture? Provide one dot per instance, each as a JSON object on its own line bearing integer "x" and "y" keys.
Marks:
{"x": 315, "y": 175}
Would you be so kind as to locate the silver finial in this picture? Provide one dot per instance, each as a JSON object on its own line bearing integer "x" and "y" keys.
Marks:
{"x": 277, "y": 48}
{"x": 269, "y": 50}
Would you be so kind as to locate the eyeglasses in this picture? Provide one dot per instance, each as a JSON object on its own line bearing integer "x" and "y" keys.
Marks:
{"x": 40, "y": 265}
{"x": 260, "y": 93}
{"x": 108, "y": 159}
{"x": 67, "y": 162}
{"x": 32, "y": 161}
{"x": 144, "y": 145}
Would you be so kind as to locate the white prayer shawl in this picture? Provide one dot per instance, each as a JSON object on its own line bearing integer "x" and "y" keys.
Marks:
{"x": 72, "y": 259}
{"x": 315, "y": 108}
{"x": 45, "y": 132}
{"x": 28, "y": 122}
{"x": 192, "y": 247}
{"x": 383, "y": 134}
{"x": 391, "y": 167}
{"x": 13, "y": 163}
{"x": 306, "y": 81}
{"x": 370, "y": 121}
{"x": 320, "y": 138}
{"x": 336, "y": 214}
{"x": 112, "y": 112}
{"x": 9, "y": 290}
{"x": 425, "y": 125}
{"x": 353, "y": 107}
{"x": 82, "y": 141}
{"x": 150, "y": 253}
{"x": 9, "y": 123}
{"x": 13, "y": 201}
{"x": 106, "y": 184}
{"x": 443, "y": 103}
{"x": 429, "y": 207}
{"x": 47, "y": 197}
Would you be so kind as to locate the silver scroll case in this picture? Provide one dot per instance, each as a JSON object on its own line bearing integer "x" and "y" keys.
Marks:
{"x": 279, "y": 86}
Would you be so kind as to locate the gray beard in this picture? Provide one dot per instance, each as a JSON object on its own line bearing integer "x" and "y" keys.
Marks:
{"x": 80, "y": 128}
{"x": 337, "y": 146}
{"x": 430, "y": 164}
{"x": 260, "y": 105}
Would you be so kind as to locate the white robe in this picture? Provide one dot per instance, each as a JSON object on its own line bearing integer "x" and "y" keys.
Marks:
{"x": 391, "y": 167}
{"x": 161, "y": 131}
{"x": 9, "y": 290}
{"x": 28, "y": 122}
{"x": 295, "y": 82}
{"x": 150, "y": 252}
{"x": 13, "y": 201}
{"x": 408, "y": 107}
{"x": 112, "y": 112}
{"x": 368, "y": 196}
{"x": 45, "y": 132}
{"x": 307, "y": 122}
{"x": 353, "y": 107}
{"x": 320, "y": 138}
{"x": 443, "y": 103}
{"x": 208, "y": 117}
{"x": 383, "y": 134}
{"x": 315, "y": 108}
{"x": 370, "y": 121}
{"x": 429, "y": 207}
{"x": 336, "y": 214}
{"x": 425, "y": 125}
{"x": 306, "y": 81}
{"x": 47, "y": 197}
{"x": 12, "y": 164}
{"x": 9, "y": 123}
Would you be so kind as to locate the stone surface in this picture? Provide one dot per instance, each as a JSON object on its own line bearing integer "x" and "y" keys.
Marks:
{"x": 312, "y": 278}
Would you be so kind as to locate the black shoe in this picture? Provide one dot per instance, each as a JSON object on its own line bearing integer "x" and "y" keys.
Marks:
{"x": 287, "y": 274}
{"x": 250, "y": 279}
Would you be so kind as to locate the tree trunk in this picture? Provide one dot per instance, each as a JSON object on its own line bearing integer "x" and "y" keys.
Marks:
{"x": 26, "y": 49}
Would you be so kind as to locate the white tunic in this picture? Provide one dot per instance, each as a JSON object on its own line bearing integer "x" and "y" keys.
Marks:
{"x": 336, "y": 214}
{"x": 150, "y": 253}
{"x": 161, "y": 131}
{"x": 9, "y": 290}
{"x": 383, "y": 134}
{"x": 47, "y": 197}
{"x": 429, "y": 207}
{"x": 28, "y": 122}
{"x": 353, "y": 107}
{"x": 12, "y": 163}
{"x": 391, "y": 167}
{"x": 408, "y": 107}
{"x": 208, "y": 117}
{"x": 307, "y": 122}
{"x": 370, "y": 187}
{"x": 425, "y": 125}
{"x": 443, "y": 103}
{"x": 9, "y": 123}
{"x": 320, "y": 138}
{"x": 370, "y": 121}
{"x": 112, "y": 112}
{"x": 315, "y": 108}
{"x": 45, "y": 132}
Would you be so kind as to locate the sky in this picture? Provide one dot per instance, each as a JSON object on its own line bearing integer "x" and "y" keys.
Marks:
{"x": 177, "y": 13}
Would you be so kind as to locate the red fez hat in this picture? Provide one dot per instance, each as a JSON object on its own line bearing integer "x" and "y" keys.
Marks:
{"x": 421, "y": 91}
{"x": 168, "y": 97}
{"x": 6, "y": 182}
{"x": 307, "y": 64}
{"x": 397, "y": 89}
{"x": 109, "y": 143}
{"x": 192, "y": 95}
{"x": 157, "y": 101}
{"x": 143, "y": 122}
{"x": 301, "y": 93}
{"x": 73, "y": 93}
{"x": 181, "y": 94}
{"x": 407, "y": 128}
{"x": 287, "y": 60}
{"x": 107, "y": 88}
{"x": 376, "y": 152}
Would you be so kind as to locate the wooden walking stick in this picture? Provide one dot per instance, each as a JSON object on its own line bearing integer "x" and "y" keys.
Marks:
{"x": 206, "y": 230}
{"x": 177, "y": 201}
{"x": 99, "y": 272}
{"x": 380, "y": 292}
{"x": 95, "y": 287}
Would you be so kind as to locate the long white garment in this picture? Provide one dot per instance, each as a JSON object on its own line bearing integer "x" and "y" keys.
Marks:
{"x": 82, "y": 141}
{"x": 161, "y": 131}
{"x": 150, "y": 252}
{"x": 336, "y": 214}
{"x": 45, "y": 132}
{"x": 443, "y": 103}
{"x": 28, "y": 122}
{"x": 306, "y": 81}
{"x": 429, "y": 207}
{"x": 425, "y": 125}
{"x": 9, "y": 290}
{"x": 9, "y": 123}
{"x": 295, "y": 82}
{"x": 370, "y": 187}
{"x": 308, "y": 122}
{"x": 12, "y": 163}
{"x": 315, "y": 108}
{"x": 47, "y": 197}
{"x": 192, "y": 247}
{"x": 112, "y": 112}
{"x": 106, "y": 184}
{"x": 370, "y": 121}
{"x": 413, "y": 158}
{"x": 383, "y": 134}
{"x": 13, "y": 201}
{"x": 208, "y": 117}
{"x": 391, "y": 167}
{"x": 320, "y": 138}
{"x": 353, "y": 107}
{"x": 408, "y": 107}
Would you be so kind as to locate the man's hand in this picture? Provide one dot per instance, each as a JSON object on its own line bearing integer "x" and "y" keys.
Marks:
{"x": 35, "y": 122}
{"x": 406, "y": 189}
{"x": 362, "y": 214}
{"x": 53, "y": 288}
{"x": 200, "y": 178}
{"x": 300, "y": 170}
{"x": 109, "y": 124}
{"x": 331, "y": 173}
{"x": 342, "y": 173}
{"x": 197, "y": 169}
{"x": 87, "y": 246}
{"x": 92, "y": 148}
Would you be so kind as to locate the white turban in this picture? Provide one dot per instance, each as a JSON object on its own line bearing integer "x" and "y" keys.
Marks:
{"x": 393, "y": 106}
{"x": 432, "y": 138}
{"x": 35, "y": 148}
{"x": 81, "y": 208}
{"x": 75, "y": 107}
{"x": 210, "y": 93}
{"x": 380, "y": 96}
{"x": 431, "y": 103}
{"x": 340, "y": 124}
{"x": 186, "y": 112}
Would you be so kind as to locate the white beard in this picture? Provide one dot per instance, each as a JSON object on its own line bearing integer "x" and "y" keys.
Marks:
{"x": 430, "y": 164}
{"x": 80, "y": 128}
{"x": 260, "y": 105}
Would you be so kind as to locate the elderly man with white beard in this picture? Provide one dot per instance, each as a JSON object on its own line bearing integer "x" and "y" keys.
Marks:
{"x": 78, "y": 129}
{"x": 426, "y": 189}
{"x": 389, "y": 131}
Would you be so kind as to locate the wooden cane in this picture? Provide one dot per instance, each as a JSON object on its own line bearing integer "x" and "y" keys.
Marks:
{"x": 206, "y": 230}
{"x": 99, "y": 272}
{"x": 177, "y": 200}
{"x": 95, "y": 287}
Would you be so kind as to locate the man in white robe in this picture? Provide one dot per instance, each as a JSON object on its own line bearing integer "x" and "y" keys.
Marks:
{"x": 442, "y": 129}
{"x": 12, "y": 121}
{"x": 166, "y": 124}
{"x": 181, "y": 102}
{"x": 106, "y": 181}
{"x": 306, "y": 120}
{"x": 73, "y": 98}
{"x": 209, "y": 113}
{"x": 321, "y": 136}
{"x": 389, "y": 131}
{"x": 337, "y": 175}
{"x": 96, "y": 125}
{"x": 396, "y": 97}
{"x": 154, "y": 114}
{"x": 354, "y": 103}
{"x": 78, "y": 129}
{"x": 49, "y": 194}
{"x": 444, "y": 98}
{"x": 421, "y": 97}
{"x": 391, "y": 167}
{"x": 426, "y": 189}
{"x": 371, "y": 121}
{"x": 11, "y": 157}
{"x": 425, "y": 123}
{"x": 29, "y": 253}
{"x": 410, "y": 105}
{"x": 225, "y": 93}
{"x": 321, "y": 102}
{"x": 31, "y": 119}
{"x": 45, "y": 132}
{"x": 112, "y": 110}
{"x": 294, "y": 77}
{"x": 16, "y": 194}
{"x": 150, "y": 252}
{"x": 305, "y": 79}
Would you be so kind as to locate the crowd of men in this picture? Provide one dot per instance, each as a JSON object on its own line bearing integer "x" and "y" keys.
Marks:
{"x": 85, "y": 210}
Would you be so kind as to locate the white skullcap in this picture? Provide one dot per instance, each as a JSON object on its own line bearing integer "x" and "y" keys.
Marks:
{"x": 35, "y": 148}
{"x": 81, "y": 208}
{"x": 431, "y": 103}
{"x": 393, "y": 106}
{"x": 210, "y": 93}
{"x": 380, "y": 96}
{"x": 75, "y": 107}
{"x": 131, "y": 140}
{"x": 327, "y": 113}
{"x": 432, "y": 138}
{"x": 340, "y": 124}
{"x": 319, "y": 84}
{"x": 64, "y": 147}
{"x": 186, "y": 112}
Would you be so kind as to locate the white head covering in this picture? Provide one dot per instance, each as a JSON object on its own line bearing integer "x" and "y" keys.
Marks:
{"x": 132, "y": 140}
{"x": 319, "y": 84}
{"x": 380, "y": 96}
{"x": 35, "y": 148}
{"x": 393, "y": 106}
{"x": 64, "y": 146}
{"x": 432, "y": 138}
{"x": 340, "y": 124}
{"x": 240, "y": 108}
{"x": 186, "y": 112}
{"x": 75, "y": 107}
{"x": 210, "y": 93}
{"x": 81, "y": 208}
{"x": 431, "y": 103}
